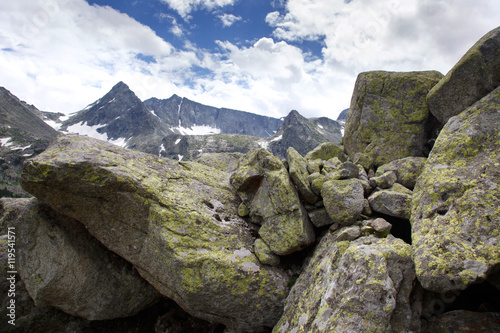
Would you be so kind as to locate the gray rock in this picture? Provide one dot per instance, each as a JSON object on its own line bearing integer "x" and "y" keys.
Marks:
{"x": 225, "y": 162}
{"x": 320, "y": 217}
{"x": 407, "y": 170}
{"x": 264, "y": 253}
{"x": 359, "y": 286}
{"x": 380, "y": 225}
{"x": 344, "y": 200}
{"x": 455, "y": 209}
{"x": 384, "y": 181}
{"x": 465, "y": 321}
{"x": 64, "y": 267}
{"x": 394, "y": 201}
{"x": 177, "y": 223}
{"x": 388, "y": 116}
{"x": 325, "y": 152}
{"x": 265, "y": 185}
{"x": 472, "y": 78}
{"x": 297, "y": 167}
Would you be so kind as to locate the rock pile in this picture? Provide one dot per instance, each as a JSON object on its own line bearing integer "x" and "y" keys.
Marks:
{"x": 384, "y": 235}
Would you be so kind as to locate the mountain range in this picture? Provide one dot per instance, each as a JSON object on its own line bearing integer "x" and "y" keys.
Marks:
{"x": 176, "y": 128}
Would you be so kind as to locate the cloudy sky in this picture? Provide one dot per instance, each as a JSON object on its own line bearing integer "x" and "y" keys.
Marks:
{"x": 262, "y": 56}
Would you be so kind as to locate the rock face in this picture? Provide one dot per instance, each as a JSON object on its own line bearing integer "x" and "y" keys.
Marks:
{"x": 266, "y": 188}
{"x": 455, "y": 212}
{"x": 361, "y": 285}
{"x": 183, "y": 114}
{"x": 101, "y": 285}
{"x": 388, "y": 116}
{"x": 473, "y": 77}
{"x": 177, "y": 223}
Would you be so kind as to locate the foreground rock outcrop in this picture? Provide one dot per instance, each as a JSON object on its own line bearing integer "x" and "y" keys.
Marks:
{"x": 177, "y": 223}
{"x": 456, "y": 205}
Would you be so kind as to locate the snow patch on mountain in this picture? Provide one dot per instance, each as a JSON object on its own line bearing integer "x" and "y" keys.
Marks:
{"x": 92, "y": 131}
{"x": 197, "y": 130}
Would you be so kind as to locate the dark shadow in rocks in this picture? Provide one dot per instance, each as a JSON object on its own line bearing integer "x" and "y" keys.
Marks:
{"x": 401, "y": 228}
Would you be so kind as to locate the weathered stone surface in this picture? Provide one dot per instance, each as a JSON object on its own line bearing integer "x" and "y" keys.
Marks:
{"x": 177, "y": 223}
{"x": 394, "y": 201}
{"x": 466, "y": 321}
{"x": 387, "y": 117}
{"x": 264, "y": 253}
{"x": 101, "y": 285}
{"x": 456, "y": 202}
{"x": 10, "y": 209}
{"x": 344, "y": 200}
{"x": 226, "y": 162}
{"x": 326, "y": 151}
{"x": 380, "y": 225}
{"x": 317, "y": 180}
{"x": 297, "y": 167}
{"x": 359, "y": 286}
{"x": 385, "y": 180}
{"x": 265, "y": 186}
{"x": 407, "y": 170}
{"x": 320, "y": 218}
{"x": 472, "y": 78}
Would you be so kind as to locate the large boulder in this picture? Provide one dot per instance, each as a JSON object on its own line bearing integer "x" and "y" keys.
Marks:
{"x": 394, "y": 201}
{"x": 456, "y": 202}
{"x": 363, "y": 285}
{"x": 388, "y": 116}
{"x": 177, "y": 223}
{"x": 472, "y": 78}
{"x": 101, "y": 285}
{"x": 266, "y": 188}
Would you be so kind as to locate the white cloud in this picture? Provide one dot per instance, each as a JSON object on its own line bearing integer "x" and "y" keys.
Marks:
{"x": 184, "y": 7}
{"x": 229, "y": 19}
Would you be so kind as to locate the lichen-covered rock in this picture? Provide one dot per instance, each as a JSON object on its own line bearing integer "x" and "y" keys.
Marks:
{"x": 264, "y": 253}
{"x": 177, "y": 223}
{"x": 319, "y": 217}
{"x": 297, "y": 167}
{"x": 388, "y": 115}
{"x": 407, "y": 170}
{"x": 326, "y": 151}
{"x": 472, "y": 78}
{"x": 359, "y": 286}
{"x": 10, "y": 209}
{"x": 394, "y": 201}
{"x": 383, "y": 181}
{"x": 226, "y": 162}
{"x": 265, "y": 186}
{"x": 456, "y": 202}
{"x": 100, "y": 286}
{"x": 344, "y": 200}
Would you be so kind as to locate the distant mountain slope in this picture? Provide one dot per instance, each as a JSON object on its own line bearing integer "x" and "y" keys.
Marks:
{"x": 119, "y": 117}
{"x": 23, "y": 134}
{"x": 189, "y": 117}
{"x": 304, "y": 134}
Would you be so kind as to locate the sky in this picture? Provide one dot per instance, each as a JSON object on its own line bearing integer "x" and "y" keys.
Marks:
{"x": 263, "y": 56}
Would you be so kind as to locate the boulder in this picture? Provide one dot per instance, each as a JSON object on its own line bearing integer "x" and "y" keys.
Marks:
{"x": 319, "y": 217}
{"x": 383, "y": 181}
{"x": 456, "y": 202}
{"x": 264, "y": 253}
{"x": 344, "y": 200}
{"x": 326, "y": 151}
{"x": 297, "y": 167}
{"x": 10, "y": 209}
{"x": 407, "y": 170}
{"x": 176, "y": 222}
{"x": 388, "y": 116}
{"x": 394, "y": 201}
{"x": 472, "y": 78}
{"x": 363, "y": 285}
{"x": 266, "y": 188}
{"x": 63, "y": 266}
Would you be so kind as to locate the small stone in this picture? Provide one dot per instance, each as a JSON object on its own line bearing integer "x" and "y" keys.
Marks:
{"x": 264, "y": 253}
{"x": 385, "y": 180}
{"x": 367, "y": 209}
{"x": 320, "y": 217}
{"x": 348, "y": 234}
{"x": 243, "y": 210}
{"x": 381, "y": 226}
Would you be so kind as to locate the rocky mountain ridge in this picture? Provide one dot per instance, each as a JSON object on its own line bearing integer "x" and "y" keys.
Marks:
{"x": 380, "y": 235}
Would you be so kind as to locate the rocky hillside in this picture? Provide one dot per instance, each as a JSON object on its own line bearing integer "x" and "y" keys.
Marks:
{"x": 22, "y": 135}
{"x": 387, "y": 234}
